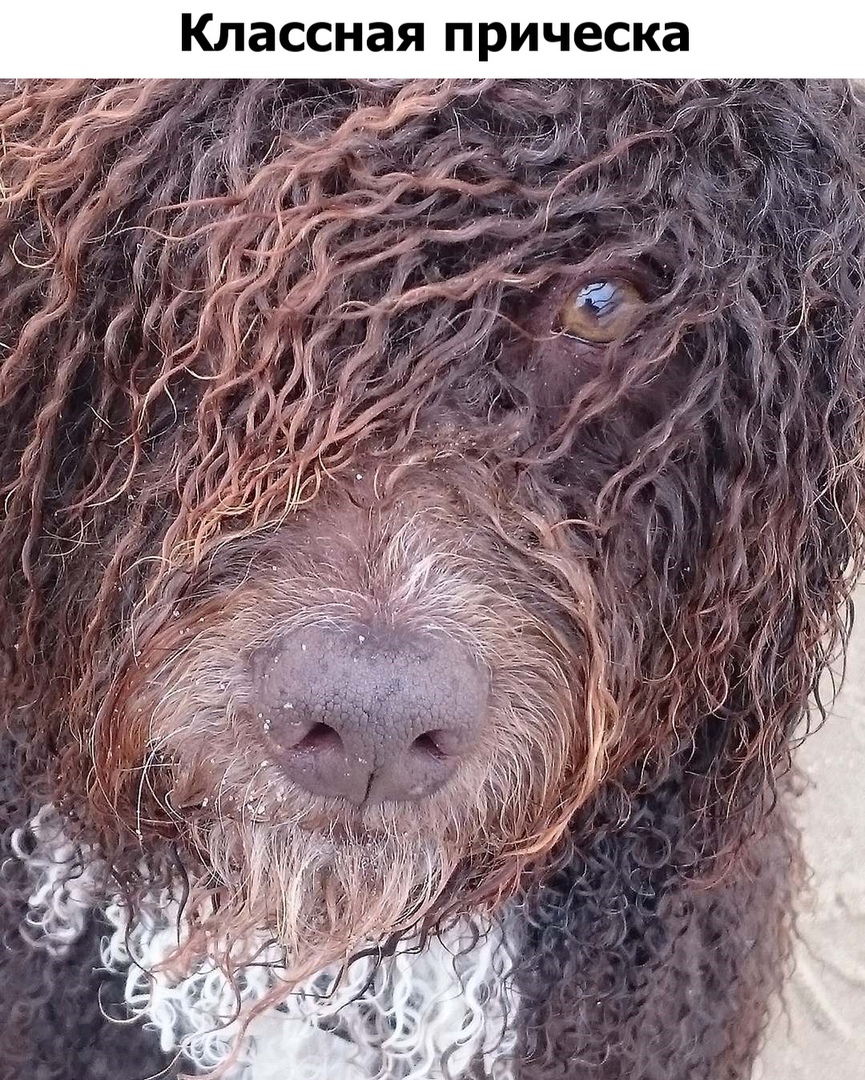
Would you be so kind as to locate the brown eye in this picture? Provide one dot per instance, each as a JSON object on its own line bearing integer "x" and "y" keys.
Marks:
{"x": 603, "y": 311}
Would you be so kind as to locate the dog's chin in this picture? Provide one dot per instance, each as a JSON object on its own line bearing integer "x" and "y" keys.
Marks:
{"x": 318, "y": 893}
{"x": 321, "y": 878}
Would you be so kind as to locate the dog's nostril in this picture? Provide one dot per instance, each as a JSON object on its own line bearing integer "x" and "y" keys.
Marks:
{"x": 319, "y": 738}
{"x": 435, "y": 744}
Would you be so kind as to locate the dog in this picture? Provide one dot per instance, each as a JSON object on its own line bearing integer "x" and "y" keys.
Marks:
{"x": 428, "y": 509}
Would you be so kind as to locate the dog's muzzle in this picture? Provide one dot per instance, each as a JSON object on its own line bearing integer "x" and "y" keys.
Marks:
{"x": 368, "y": 714}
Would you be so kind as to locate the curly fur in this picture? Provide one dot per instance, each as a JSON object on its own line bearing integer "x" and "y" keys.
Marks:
{"x": 381, "y": 1017}
{"x": 279, "y": 357}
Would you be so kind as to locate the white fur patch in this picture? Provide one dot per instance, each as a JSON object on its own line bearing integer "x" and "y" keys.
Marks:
{"x": 66, "y": 881}
{"x": 420, "y": 1014}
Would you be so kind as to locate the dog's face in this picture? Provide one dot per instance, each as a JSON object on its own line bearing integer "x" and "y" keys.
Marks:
{"x": 387, "y": 469}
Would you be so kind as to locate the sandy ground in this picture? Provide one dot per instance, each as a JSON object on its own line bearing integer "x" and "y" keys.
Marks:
{"x": 822, "y": 1035}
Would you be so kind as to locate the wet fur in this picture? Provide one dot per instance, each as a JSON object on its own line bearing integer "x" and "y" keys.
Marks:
{"x": 264, "y": 333}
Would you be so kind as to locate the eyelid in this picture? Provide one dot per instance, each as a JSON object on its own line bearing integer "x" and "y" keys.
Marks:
{"x": 651, "y": 274}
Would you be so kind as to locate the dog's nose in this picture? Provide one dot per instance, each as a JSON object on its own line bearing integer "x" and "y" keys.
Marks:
{"x": 369, "y": 715}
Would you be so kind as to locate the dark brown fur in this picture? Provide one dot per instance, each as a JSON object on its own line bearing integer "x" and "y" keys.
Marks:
{"x": 281, "y": 355}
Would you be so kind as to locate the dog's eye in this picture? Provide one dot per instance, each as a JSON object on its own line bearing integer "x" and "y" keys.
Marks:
{"x": 603, "y": 311}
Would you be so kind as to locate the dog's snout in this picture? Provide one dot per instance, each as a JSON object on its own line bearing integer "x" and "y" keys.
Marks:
{"x": 368, "y": 715}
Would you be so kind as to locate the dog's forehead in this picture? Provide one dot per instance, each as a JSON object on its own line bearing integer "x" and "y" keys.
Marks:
{"x": 406, "y": 217}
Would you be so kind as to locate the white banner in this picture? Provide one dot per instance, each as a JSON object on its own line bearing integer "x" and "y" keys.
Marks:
{"x": 390, "y": 39}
